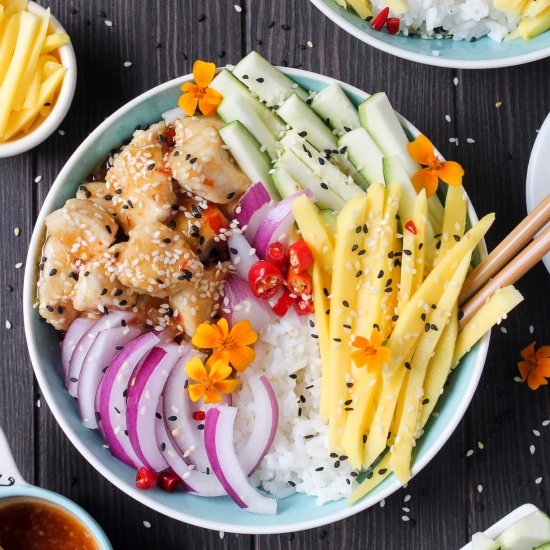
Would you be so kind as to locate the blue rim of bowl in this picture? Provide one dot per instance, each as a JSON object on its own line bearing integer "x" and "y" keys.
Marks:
{"x": 331, "y": 10}
{"x": 29, "y": 293}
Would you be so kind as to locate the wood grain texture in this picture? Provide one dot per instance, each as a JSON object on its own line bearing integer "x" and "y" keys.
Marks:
{"x": 162, "y": 38}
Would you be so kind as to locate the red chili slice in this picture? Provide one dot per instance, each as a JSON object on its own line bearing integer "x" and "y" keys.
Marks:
{"x": 265, "y": 279}
{"x": 298, "y": 283}
{"x": 146, "y": 479}
{"x": 409, "y": 226}
{"x": 283, "y": 304}
{"x": 303, "y": 307}
{"x": 199, "y": 415}
{"x": 168, "y": 481}
{"x": 165, "y": 171}
{"x": 392, "y": 24}
{"x": 276, "y": 254}
{"x": 380, "y": 19}
{"x": 300, "y": 256}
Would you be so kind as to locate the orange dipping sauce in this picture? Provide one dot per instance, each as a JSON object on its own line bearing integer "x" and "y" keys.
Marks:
{"x": 35, "y": 524}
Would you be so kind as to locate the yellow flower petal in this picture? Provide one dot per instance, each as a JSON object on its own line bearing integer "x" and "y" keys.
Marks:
{"x": 203, "y": 73}
{"x": 425, "y": 179}
{"x": 528, "y": 352}
{"x": 241, "y": 357}
{"x": 206, "y": 108}
{"x": 360, "y": 342}
{"x": 210, "y": 396}
{"x": 221, "y": 354}
{"x": 359, "y": 357}
{"x": 195, "y": 370}
{"x": 243, "y": 334}
{"x": 451, "y": 173}
{"x": 207, "y": 336}
{"x": 190, "y": 87}
{"x": 227, "y": 386}
{"x": 188, "y": 102}
{"x": 196, "y": 391}
{"x": 222, "y": 323}
{"x": 220, "y": 370}
{"x": 421, "y": 150}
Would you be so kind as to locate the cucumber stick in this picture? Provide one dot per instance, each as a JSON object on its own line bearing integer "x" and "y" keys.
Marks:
{"x": 297, "y": 114}
{"x": 329, "y": 219}
{"x": 526, "y": 533}
{"x": 245, "y": 149}
{"x": 228, "y": 85}
{"x": 238, "y": 108}
{"x": 341, "y": 184}
{"x": 483, "y": 542}
{"x": 364, "y": 154}
{"x": 289, "y": 164}
{"x": 285, "y": 184}
{"x": 335, "y": 108}
{"x": 265, "y": 80}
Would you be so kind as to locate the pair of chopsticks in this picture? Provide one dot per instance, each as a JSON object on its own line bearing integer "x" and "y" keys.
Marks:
{"x": 507, "y": 262}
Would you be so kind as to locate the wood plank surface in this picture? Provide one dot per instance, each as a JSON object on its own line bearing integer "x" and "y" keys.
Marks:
{"x": 460, "y": 491}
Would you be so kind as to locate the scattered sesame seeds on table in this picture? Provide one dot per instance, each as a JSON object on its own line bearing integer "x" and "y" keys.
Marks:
{"x": 498, "y": 457}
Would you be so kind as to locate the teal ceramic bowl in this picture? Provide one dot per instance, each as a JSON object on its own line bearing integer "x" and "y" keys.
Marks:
{"x": 295, "y": 513}
{"x": 484, "y": 53}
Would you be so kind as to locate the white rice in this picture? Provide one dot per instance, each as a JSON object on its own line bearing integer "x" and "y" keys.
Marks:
{"x": 287, "y": 348}
{"x": 462, "y": 19}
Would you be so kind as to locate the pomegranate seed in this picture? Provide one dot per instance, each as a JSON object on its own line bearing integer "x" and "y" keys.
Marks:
{"x": 168, "y": 481}
{"x": 146, "y": 479}
{"x": 199, "y": 415}
{"x": 380, "y": 19}
{"x": 392, "y": 25}
{"x": 409, "y": 226}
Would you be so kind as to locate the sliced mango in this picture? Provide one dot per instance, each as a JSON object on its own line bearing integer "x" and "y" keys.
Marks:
{"x": 361, "y": 7}
{"x": 8, "y": 41}
{"x": 54, "y": 41}
{"x": 513, "y": 7}
{"x": 534, "y": 7}
{"x": 454, "y": 219}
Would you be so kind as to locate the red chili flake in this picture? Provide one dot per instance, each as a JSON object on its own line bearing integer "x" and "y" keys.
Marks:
{"x": 170, "y": 133}
{"x": 392, "y": 24}
{"x": 165, "y": 171}
{"x": 409, "y": 226}
{"x": 168, "y": 481}
{"x": 199, "y": 415}
{"x": 379, "y": 21}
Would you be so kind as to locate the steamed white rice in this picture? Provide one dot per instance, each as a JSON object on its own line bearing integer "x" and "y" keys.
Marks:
{"x": 299, "y": 459}
{"x": 462, "y": 19}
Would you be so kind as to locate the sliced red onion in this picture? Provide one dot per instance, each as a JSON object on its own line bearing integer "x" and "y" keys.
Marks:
{"x": 111, "y": 397}
{"x": 194, "y": 481}
{"x": 221, "y": 453}
{"x": 276, "y": 224}
{"x": 143, "y": 396}
{"x": 242, "y": 255}
{"x": 240, "y": 303}
{"x": 173, "y": 114}
{"x": 106, "y": 345}
{"x": 252, "y": 208}
{"x": 76, "y": 331}
{"x": 266, "y": 419}
{"x": 114, "y": 319}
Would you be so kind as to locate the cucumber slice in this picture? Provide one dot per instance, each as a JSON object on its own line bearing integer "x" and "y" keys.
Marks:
{"x": 238, "y": 108}
{"x": 285, "y": 184}
{"x": 545, "y": 546}
{"x": 228, "y": 85}
{"x": 380, "y": 121}
{"x": 297, "y": 114}
{"x": 265, "y": 80}
{"x": 527, "y": 533}
{"x": 246, "y": 150}
{"x": 483, "y": 542}
{"x": 324, "y": 196}
{"x": 329, "y": 219}
{"x": 336, "y": 180}
{"x": 364, "y": 154}
{"x": 335, "y": 108}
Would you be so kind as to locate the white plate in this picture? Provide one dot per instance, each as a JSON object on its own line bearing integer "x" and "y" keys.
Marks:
{"x": 538, "y": 173}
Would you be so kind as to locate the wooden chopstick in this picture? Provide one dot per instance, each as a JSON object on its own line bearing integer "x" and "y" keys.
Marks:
{"x": 522, "y": 263}
{"x": 506, "y": 250}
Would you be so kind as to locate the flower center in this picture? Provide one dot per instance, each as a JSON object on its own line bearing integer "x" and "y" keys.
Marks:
{"x": 435, "y": 164}
{"x": 228, "y": 344}
{"x": 198, "y": 93}
{"x": 370, "y": 351}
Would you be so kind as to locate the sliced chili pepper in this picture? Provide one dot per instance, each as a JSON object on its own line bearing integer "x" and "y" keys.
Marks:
{"x": 276, "y": 254}
{"x": 283, "y": 303}
{"x": 300, "y": 256}
{"x": 380, "y": 19}
{"x": 303, "y": 307}
{"x": 392, "y": 24}
{"x": 298, "y": 283}
{"x": 409, "y": 226}
{"x": 199, "y": 415}
{"x": 216, "y": 220}
{"x": 265, "y": 279}
{"x": 146, "y": 479}
{"x": 168, "y": 481}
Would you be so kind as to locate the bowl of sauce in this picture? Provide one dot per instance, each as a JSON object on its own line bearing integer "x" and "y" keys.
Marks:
{"x": 32, "y": 518}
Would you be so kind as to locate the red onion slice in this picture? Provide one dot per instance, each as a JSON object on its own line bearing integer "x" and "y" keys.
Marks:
{"x": 255, "y": 199}
{"x": 116, "y": 318}
{"x": 266, "y": 420}
{"x": 221, "y": 453}
{"x": 76, "y": 331}
{"x": 276, "y": 224}
{"x": 242, "y": 255}
{"x": 143, "y": 396}
{"x": 106, "y": 345}
{"x": 200, "y": 483}
{"x": 111, "y": 397}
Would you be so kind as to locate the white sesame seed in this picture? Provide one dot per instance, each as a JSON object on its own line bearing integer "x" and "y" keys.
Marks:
{"x": 146, "y": 524}
{"x": 222, "y": 534}
{"x": 498, "y": 104}
{"x": 517, "y": 379}
{"x": 405, "y": 509}
{"x": 480, "y": 488}
{"x": 18, "y": 265}
{"x": 407, "y": 498}
{"x": 382, "y": 503}
{"x": 470, "y": 452}
{"x": 538, "y": 481}
{"x": 536, "y": 433}
{"x": 38, "y": 403}
{"x": 455, "y": 80}
{"x": 503, "y": 330}
{"x": 435, "y": 53}
{"x": 238, "y": 8}
{"x": 108, "y": 23}
{"x": 16, "y": 231}
{"x": 8, "y": 324}
{"x": 61, "y": 132}
{"x": 532, "y": 449}
{"x": 480, "y": 445}
{"x": 470, "y": 140}
{"x": 546, "y": 423}
{"x": 448, "y": 118}
{"x": 405, "y": 518}
{"x": 309, "y": 44}
{"x": 531, "y": 329}
{"x": 127, "y": 64}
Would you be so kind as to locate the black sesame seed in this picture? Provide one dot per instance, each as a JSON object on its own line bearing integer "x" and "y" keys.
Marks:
{"x": 407, "y": 365}
{"x": 293, "y": 376}
{"x": 49, "y": 308}
{"x": 321, "y": 161}
{"x": 320, "y": 469}
{"x": 359, "y": 273}
{"x": 348, "y": 409}
{"x": 358, "y": 229}
{"x": 118, "y": 292}
{"x": 337, "y": 339}
{"x": 103, "y": 292}
{"x": 53, "y": 272}
{"x": 260, "y": 80}
{"x": 380, "y": 274}
{"x": 229, "y": 196}
{"x": 456, "y": 238}
{"x": 345, "y": 303}
{"x": 349, "y": 384}
{"x": 388, "y": 282}
{"x": 200, "y": 427}
{"x": 308, "y": 436}
{"x": 425, "y": 401}
{"x": 434, "y": 327}
{"x": 291, "y": 483}
{"x": 438, "y": 245}
{"x": 337, "y": 464}
{"x": 364, "y": 438}
{"x": 361, "y": 252}
{"x": 382, "y": 471}
{"x": 150, "y": 166}
{"x": 193, "y": 160}
{"x": 123, "y": 303}
{"x": 369, "y": 475}
{"x": 323, "y": 185}
{"x": 407, "y": 252}
{"x": 303, "y": 133}
{"x": 158, "y": 415}
{"x": 423, "y": 316}
{"x": 394, "y": 318}
{"x": 333, "y": 455}
{"x": 172, "y": 418}
{"x": 348, "y": 402}
{"x": 326, "y": 292}
{"x": 426, "y": 327}
{"x": 108, "y": 197}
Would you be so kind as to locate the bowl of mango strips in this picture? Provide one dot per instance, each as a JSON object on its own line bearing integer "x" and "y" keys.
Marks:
{"x": 37, "y": 75}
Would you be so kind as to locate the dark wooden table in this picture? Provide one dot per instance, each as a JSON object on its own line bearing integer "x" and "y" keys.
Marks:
{"x": 459, "y": 492}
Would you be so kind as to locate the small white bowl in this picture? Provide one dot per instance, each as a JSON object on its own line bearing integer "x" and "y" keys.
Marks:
{"x": 62, "y": 104}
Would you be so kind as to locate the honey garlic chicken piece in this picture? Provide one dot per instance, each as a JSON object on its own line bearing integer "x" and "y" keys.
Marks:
{"x": 157, "y": 313}
{"x": 58, "y": 274}
{"x": 98, "y": 287}
{"x": 187, "y": 127}
{"x": 140, "y": 186}
{"x": 201, "y": 165}
{"x": 151, "y": 136}
{"x": 195, "y": 305}
{"x": 84, "y": 228}
{"x": 97, "y": 192}
{"x": 158, "y": 261}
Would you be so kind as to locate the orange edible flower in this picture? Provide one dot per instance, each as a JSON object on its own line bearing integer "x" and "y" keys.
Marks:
{"x": 231, "y": 346}
{"x": 211, "y": 382}
{"x": 535, "y": 367}
{"x": 370, "y": 353}
{"x": 423, "y": 152}
{"x": 199, "y": 93}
